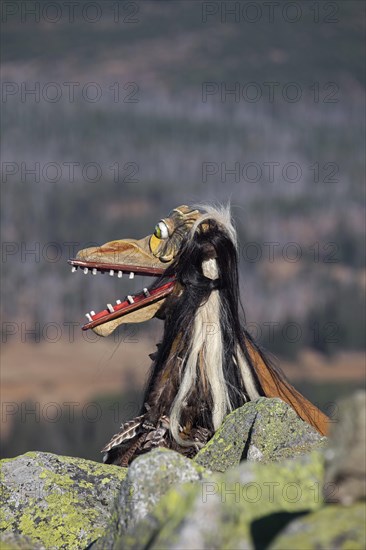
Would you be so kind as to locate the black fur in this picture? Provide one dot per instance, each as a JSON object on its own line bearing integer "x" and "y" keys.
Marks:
{"x": 192, "y": 290}
{"x": 208, "y": 241}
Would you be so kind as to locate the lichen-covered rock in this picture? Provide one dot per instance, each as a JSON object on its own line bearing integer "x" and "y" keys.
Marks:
{"x": 332, "y": 527}
{"x": 265, "y": 430}
{"x": 278, "y": 433}
{"x": 243, "y": 508}
{"x": 226, "y": 448}
{"x": 149, "y": 477}
{"x": 14, "y": 541}
{"x": 273, "y": 500}
{"x": 55, "y": 501}
{"x": 345, "y": 471}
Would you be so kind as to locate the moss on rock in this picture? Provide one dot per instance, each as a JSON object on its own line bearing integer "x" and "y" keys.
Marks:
{"x": 265, "y": 430}
{"x": 57, "y": 502}
{"x": 149, "y": 478}
{"x": 278, "y": 433}
{"x": 14, "y": 541}
{"x": 243, "y": 508}
{"x": 332, "y": 527}
{"x": 346, "y": 464}
{"x": 272, "y": 500}
{"x": 226, "y": 448}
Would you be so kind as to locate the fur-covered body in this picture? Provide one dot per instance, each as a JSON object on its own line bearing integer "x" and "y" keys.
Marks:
{"x": 207, "y": 364}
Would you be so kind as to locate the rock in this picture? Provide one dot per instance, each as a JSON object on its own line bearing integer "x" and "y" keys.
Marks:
{"x": 226, "y": 447}
{"x": 278, "y": 433}
{"x": 243, "y": 508}
{"x": 149, "y": 477}
{"x": 274, "y": 499}
{"x": 265, "y": 430}
{"x": 332, "y": 527}
{"x": 345, "y": 470}
{"x": 56, "y": 501}
{"x": 13, "y": 541}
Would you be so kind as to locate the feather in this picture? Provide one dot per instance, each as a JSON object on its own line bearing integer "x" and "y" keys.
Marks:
{"x": 124, "y": 459}
{"x": 156, "y": 437}
{"x": 201, "y": 436}
{"x": 207, "y": 364}
{"x": 128, "y": 431}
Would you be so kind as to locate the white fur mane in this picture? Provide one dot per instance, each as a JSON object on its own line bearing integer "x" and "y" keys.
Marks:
{"x": 207, "y": 342}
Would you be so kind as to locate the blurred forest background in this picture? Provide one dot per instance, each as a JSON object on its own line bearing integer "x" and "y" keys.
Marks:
{"x": 132, "y": 115}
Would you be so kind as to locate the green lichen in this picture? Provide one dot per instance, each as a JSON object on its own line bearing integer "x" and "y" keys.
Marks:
{"x": 272, "y": 491}
{"x": 226, "y": 447}
{"x": 333, "y": 526}
{"x": 265, "y": 430}
{"x": 173, "y": 501}
{"x": 53, "y": 479}
{"x": 13, "y": 541}
{"x": 220, "y": 511}
{"x": 291, "y": 485}
{"x": 278, "y": 433}
{"x": 149, "y": 478}
{"x": 178, "y": 499}
{"x": 59, "y": 502}
{"x": 60, "y": 521}
{"x": 167, "y": 500}
{"x": 105, "y": 480}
